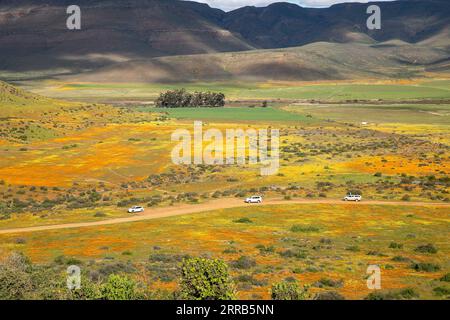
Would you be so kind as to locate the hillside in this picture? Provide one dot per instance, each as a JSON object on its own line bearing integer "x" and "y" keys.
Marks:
{"x": 318, "y": 61}
{"x": 135, "y": 34}
{"x": 34, "y": 36}
{"x": 284, "y": 25}
{"x": 13, "y": 97}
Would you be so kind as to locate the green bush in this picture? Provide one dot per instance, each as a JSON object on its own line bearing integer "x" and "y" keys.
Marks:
{"x": 244, "y": 262}
{"x": 245, "y": 278}
{"x": 401, "y": 259}
{"x": 119, "y": 287}
{"x": 16, "y": 278}
{"x": 395, "y": 245}
{"x": 406, "y": 197}
{"x": 289, "y": 291}
{"x": 205, "y": 279}
{"x": 403, "y": 294}
{"x": 265, "y": 250}
{"x": 427, "y": 248}
{"x": 243, "y": 220}
{"x": 89, "y": 290}
{"x": 299, "y": 228}
{"x": 445, "y": 278}
{"x": 63, "y": 260}
{"x": 441, "y": 291}
{"x": 425, "y": 267}
{"x": 329, "y": 295}
{"x": 100, "y": 215}
{"x": 325, "y": 282}
{"x": 298, "y": 254}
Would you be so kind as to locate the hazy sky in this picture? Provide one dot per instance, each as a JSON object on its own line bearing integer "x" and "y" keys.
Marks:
{"x": 233, "y": 4}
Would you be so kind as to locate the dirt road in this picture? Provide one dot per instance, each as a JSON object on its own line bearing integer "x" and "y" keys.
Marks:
{"x": 204, "y": 207}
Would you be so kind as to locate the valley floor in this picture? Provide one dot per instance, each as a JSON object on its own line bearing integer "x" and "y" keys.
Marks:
{"x": 70, "y": 170}
{"x": 165, "y": 212}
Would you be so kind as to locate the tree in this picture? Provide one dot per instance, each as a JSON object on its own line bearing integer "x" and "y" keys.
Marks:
{"x": 206, "y": 279}
{"x": 119, "y": 288}
{"x": 289, "y": 291}
{"x": 183, "y": 99}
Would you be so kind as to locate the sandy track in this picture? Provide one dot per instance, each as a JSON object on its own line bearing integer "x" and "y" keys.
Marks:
{"x": 204, "y": 207}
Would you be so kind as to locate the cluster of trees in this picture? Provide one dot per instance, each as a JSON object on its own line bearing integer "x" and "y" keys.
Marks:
{"x": 183, "y": 99}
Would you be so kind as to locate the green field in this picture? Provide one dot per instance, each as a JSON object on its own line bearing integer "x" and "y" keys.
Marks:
{"x": 406, "y": 114}
{"x": 234, "y": 114}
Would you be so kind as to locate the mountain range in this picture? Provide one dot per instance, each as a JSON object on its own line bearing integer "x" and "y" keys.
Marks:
{"x": 170, "y": 40}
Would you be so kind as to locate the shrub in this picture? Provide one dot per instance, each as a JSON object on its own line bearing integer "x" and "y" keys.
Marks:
{"x": 263, "y": 249}
{"x": 428, "y": 248}
{"x": 441, "y": 291}
{"x": 376, "y": 253}
{"x": 166, "y": 258}
{"x": 89, "y": 290}
{"x": 293, "y": 254}
{"x": 15, "y": 279}
{"x": 289, "y": 291}
{"x": 353, "y": 248}
{"x": 325, "y": 282}
{"x": 116, "y": 268}
{"x": 401, "y": 259}
{"x": 250, "y": 280}
{"x": 406, "y": 198}
{"x": 205, "y": 279}
{"x": 100, "y": 215}
{"x": 244, "y": 262}
{"x": 243, "y": 220}
{"x": 329, "y": 295}
{"x": 404, "y": 294}
{"x": 62, "y": 260}
{"x": 326, "y": 241}
{"x": 119, "y": 287}
{"x": 425, "y": 267}
{"x": 300, "y": 228}
{"x": 20, "y": 241}
{"x": 395, "y": 245}
{"x": 445, "y": 278}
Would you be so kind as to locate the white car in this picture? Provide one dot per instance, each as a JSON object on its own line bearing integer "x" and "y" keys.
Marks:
{"x": 136, "y": 209}
{"x": 353, "y": 197}
{"x": 254, "y": 199}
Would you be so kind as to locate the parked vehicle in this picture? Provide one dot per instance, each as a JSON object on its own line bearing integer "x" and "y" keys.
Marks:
{"x": 353, "y": 197}
{"x": 254, "y": 199}
{"x": 136, "y": 209}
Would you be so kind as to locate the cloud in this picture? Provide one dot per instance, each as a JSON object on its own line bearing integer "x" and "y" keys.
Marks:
{"x": 228, "y": 5}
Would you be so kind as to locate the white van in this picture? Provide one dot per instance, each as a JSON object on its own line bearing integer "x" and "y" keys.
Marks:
{"x": 254, "y": 199}
{"x": 353, "y": 197}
